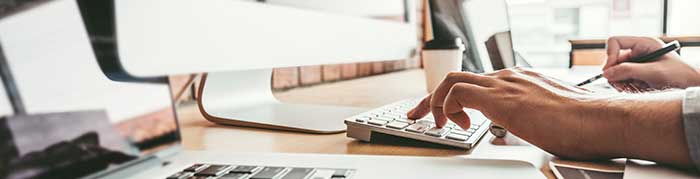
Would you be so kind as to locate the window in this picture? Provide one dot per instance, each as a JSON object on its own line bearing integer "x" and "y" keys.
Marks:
{"x": 541, "y": 28}
{"x": 683, "y": 17}
{"x": 682, "y": 20}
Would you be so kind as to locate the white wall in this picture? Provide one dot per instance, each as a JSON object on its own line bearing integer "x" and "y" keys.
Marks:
{"x": 594, "y": 21}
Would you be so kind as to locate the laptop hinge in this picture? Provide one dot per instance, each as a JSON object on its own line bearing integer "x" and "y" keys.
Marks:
{"x": 136, "y": 166}
{"x": 128, "y": 169}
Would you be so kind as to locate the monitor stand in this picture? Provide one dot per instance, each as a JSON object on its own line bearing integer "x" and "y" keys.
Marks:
{"x": 244, "y": 98}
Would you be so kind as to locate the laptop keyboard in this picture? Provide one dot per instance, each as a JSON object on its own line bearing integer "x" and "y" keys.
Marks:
{"x": 391, "y": 119}
{"x": 220, "y": 171}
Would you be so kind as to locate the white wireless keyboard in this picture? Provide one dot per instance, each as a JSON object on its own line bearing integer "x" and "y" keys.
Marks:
{"x": 391, "y": 119}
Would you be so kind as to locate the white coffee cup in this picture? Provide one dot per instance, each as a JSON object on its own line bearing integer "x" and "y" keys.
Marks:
{"x": 439, "y": 58}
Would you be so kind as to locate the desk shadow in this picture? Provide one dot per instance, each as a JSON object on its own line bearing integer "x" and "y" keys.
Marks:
{"x": 386, "y": 139}
{"x": 384, "y": 144}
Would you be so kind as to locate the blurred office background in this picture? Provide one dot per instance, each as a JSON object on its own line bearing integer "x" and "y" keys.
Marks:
{"x": 542, "y": 29}
{"x": 547, "y": 33}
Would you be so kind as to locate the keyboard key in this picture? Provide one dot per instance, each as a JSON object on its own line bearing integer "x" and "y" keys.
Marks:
{"x": 268, "y": 173}
{"x": 196, "y": 167}
{"x": 393, "y": 115}
{"x": 426, "y": 121}
{"x": 437, "y": 132}
{"x": 406, "y": 120}
{"x": 362, "y": 119}
{"x": 298, "y": 173}
{"x": 451, "y": 125}
{"x": 201, "y": 177}
{"x": 341, "y": 173}
{"x": 234, "y": 176}
{"x": 322, "y": 174}
{"x": 181, "y": 175}
{"x": 245, "y": 169}
{"x": 418, "y": 128}
{"x": 458, "y": 137}
{"x": 214, "y": 170}
{"x": 459, "y": 132}
{"x": 377, "y": 122}
{"x": 384, "y": 118}
{"x": 397, "y": 125}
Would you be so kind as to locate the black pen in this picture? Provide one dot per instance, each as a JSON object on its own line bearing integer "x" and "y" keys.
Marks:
{"x": 653, "y": 56}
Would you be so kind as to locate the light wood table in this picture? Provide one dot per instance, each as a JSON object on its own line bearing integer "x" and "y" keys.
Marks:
{"x": 199, "y": 134}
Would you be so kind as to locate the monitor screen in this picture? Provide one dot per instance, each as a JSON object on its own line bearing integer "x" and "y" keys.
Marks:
{"x": 76, "y": 121}
{"x": 474, "y": 21}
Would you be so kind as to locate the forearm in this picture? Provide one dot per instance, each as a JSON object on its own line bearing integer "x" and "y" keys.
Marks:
{"x": 653, "y": 128}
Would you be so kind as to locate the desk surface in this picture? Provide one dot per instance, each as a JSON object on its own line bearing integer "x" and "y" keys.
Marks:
{"x": 199, "y": 134}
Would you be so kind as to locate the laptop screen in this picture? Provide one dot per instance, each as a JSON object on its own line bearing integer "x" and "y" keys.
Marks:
{"x": 76, "y": 121}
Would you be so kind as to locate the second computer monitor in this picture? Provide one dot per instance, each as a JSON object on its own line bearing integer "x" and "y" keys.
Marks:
{"x": 475, "y": 21}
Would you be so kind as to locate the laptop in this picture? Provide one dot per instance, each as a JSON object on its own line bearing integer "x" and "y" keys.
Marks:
{"x": 65, "y": 116}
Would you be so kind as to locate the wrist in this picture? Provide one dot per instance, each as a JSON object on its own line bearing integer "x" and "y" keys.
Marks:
{"x": 695, "y": 79}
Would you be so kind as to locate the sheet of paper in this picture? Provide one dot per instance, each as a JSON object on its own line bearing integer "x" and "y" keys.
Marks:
{"x": 573, "y": 75}
{"x": 578, "y": 74}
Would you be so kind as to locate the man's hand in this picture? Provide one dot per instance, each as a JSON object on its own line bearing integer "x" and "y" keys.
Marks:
{"x": 564, "y": 120}
{"x": 531, "y": 106}
{"x": 667, "y": 72}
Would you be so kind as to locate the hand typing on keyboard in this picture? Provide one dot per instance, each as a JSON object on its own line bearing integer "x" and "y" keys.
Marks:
{"x": 571, "y": 122}
{"x": 562, "y": 119}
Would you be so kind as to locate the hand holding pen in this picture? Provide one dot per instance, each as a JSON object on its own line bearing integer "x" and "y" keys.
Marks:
{"x": 657, "y": 70}
{"x": 650, "y": 57}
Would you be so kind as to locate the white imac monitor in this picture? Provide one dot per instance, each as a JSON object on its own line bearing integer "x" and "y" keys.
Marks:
{"x": 187, "y": 36}
{"x": 239, "y": 42}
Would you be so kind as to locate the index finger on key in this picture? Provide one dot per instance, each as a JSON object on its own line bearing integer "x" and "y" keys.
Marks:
{"x": 420, "y": 110}
{"x": 438, "y": 98}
